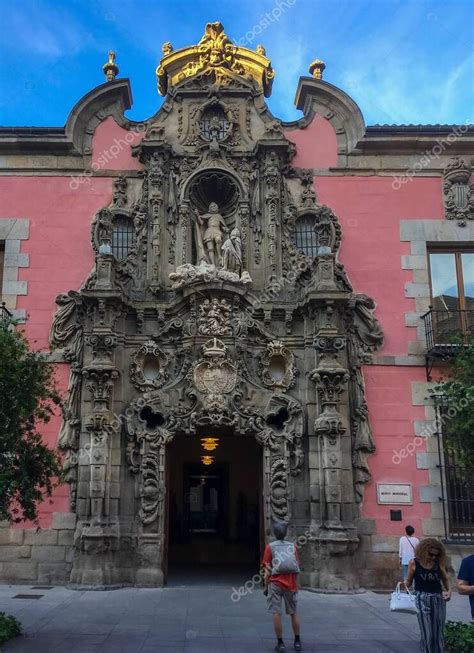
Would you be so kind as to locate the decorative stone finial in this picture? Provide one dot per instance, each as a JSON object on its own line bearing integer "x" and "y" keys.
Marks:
{"x": 316, "y": 68}
{"x": 111, "y": 70}
{"x": 166, "y": 48}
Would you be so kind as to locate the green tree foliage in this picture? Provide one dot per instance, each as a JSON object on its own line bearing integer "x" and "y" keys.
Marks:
{"x": 9, "y": 627}
{"x": 456, "y": 396}
{"x": 459, "y": 637}
{"x": 29, "y": 470}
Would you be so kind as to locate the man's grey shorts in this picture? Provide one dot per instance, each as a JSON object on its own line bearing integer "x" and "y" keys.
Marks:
{"x": 276, "y": 594}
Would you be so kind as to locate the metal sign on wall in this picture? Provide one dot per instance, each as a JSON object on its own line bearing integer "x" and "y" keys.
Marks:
{"x": 394, "y": 493}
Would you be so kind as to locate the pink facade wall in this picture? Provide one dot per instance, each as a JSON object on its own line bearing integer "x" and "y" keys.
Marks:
{"x": 60, "y": 258}
{"x": 111, "y": 147}
{"x": 369, "y": 210}
{"x": 316, "y": 144}
{"x": 389, "y": 397}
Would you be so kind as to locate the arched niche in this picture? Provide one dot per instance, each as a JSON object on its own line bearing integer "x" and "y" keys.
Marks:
{"x": 218, "y": 185}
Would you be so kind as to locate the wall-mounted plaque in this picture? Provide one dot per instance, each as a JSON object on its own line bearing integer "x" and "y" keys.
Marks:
{"x": 393, "y": 493}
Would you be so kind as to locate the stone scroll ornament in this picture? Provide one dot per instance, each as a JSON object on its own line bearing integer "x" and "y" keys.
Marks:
{"x": 458, "y": 192}
{"x": 276, "y": 366}
{"x": 67, "y": 333}
{"x": 149, "y": 367}
{"x": 365, "y": 336}
{"x": 145, "y": 455}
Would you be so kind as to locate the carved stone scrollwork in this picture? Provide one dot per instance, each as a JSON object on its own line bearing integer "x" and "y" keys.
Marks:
{"x": 365, "y": 337}
{"x": 102, "y": 345}
{"x": 67, "y": 332}
{"x": 100, "y": 383}
{"x": 272, "y": 199}
{"x": 152, "y": 489}
{"x": 149, "y": 367}
{"x": 308, "y": 196}
{"x": 145, "y": 454}
{"x": 256, "y": 209}
{"x": 276, "y": 366}
{"x": 458, "y": 192}
{"x": 172, "y": 211}
{"x": 119, "y": 198}
{"x": 279, "y": 489}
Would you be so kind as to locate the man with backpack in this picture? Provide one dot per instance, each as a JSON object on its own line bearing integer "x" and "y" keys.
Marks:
{"x": 281, "y": 564}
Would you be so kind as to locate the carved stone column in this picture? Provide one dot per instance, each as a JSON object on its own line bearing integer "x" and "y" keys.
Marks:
{"x": 330, "y": 379}
{"x": 97, "y": 536}
{"x": 156, "y": 203}
{"x": 336, "y": 535}
{"x": 272, "y": 203}
{"x": 244, "y": 230}
{"x": 146, "y": 454}
{"x": 184, "y": 220}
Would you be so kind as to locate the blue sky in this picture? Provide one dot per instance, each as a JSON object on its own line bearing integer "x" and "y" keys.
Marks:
{"x": 403, "y": 61}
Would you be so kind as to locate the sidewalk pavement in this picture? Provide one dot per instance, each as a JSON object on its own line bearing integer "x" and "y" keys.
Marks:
{"x": 204, "y": 620}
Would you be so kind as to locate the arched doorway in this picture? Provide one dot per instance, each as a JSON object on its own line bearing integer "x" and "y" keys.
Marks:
{"x": 214, "y": 508}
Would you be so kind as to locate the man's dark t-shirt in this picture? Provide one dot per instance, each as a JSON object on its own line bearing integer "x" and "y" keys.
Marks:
{"x": 466, "y": 573}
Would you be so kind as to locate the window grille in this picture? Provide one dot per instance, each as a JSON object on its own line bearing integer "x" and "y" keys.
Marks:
{"x": 123, "y": 237}
{"x": 214, "y": 124}
{"x": 306, "y": 238}
{"x": 457, "y": 482}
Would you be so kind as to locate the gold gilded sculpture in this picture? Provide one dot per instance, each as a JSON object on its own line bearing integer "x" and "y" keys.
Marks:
{"x": 217, "y": 59}
{"x": 111, "y": 70}
{"x": 316, "y": 68}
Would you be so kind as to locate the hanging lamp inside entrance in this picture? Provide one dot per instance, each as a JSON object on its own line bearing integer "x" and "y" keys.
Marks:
{"x": 210, "y": 444}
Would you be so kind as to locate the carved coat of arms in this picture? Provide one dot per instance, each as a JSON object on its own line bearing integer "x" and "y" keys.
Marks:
{"x": 214, "y": 374}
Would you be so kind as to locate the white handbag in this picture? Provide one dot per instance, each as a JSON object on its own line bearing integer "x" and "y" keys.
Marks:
{"x": 403, "y": 601}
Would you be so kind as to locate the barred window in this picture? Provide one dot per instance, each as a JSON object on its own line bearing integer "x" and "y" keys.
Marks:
{"x": 214, "y": 124}
{"x": 123, "y": 237}
{"x": 305, "y": 236}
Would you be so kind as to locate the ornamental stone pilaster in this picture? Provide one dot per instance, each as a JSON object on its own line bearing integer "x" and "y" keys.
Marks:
{"x": 331, "y": 380}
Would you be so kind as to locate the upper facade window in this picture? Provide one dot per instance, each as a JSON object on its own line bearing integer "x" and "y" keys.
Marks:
{"x": 123, "y": 237}
{"x": 452, "y": 290}
{"x": 306, "y": 238}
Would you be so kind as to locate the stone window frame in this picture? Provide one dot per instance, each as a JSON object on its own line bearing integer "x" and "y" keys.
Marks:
{"x": 12, "y": 232}
{"x": 421, "y": 234}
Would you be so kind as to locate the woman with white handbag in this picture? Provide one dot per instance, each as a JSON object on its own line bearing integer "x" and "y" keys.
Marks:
{"x": 428, "y": 571}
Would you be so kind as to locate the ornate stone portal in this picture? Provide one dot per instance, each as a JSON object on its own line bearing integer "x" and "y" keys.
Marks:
{"x": 215, "y": 314}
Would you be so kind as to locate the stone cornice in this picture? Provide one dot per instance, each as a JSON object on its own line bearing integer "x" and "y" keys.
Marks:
{"x": 355, "y": 140}
{"x": 315, "y": 96}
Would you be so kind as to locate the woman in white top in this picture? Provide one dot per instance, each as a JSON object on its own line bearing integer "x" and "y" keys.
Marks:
{"x": 406, "y": 549}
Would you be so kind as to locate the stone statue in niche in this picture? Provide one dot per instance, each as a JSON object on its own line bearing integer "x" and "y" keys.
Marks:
{"x": 215, "y": 259}
{"x": 232, "y": 253}
{"x": 210, "y": 229}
